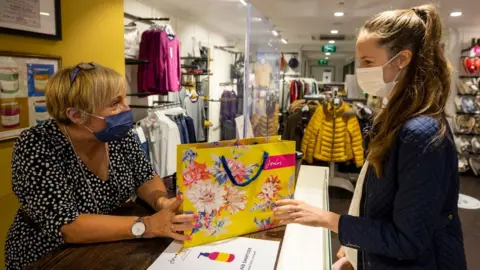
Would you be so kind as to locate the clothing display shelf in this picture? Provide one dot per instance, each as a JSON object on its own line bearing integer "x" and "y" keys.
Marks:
{"x": 156, "y": 104}
{"x": 467, "y": 114}
{"x": 133, "y": 61}
{"x": 150, "y": 21}
{"x": 195, "y": 58}
{"x": 330, "y": 83}
{"x": 226, "y": 49}
{"x": 196, "y": 74}
{"x": 143, "y": 94}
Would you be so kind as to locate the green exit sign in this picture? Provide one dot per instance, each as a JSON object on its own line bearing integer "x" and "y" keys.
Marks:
{"x": 322, "y": 62}
{"x": 329, "y": 48}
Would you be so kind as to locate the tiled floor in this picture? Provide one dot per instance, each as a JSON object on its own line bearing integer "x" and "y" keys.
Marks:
{"x": 469, "y": 185}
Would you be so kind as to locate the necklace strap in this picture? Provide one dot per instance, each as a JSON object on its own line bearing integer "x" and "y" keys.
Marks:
{"x": 83, "y": 171}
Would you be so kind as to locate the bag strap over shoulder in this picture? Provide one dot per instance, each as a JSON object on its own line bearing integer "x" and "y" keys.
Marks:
{"x": 234, "y": 181}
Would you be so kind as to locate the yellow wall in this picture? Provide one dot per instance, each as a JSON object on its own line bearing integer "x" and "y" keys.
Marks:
{"x": 92, "y": 31}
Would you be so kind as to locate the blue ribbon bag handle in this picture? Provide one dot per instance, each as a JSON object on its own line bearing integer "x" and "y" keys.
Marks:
{"x": 234, "y": 181}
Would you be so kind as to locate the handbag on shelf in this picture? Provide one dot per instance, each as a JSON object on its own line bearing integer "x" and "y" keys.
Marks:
{"x": 233, "y": 185}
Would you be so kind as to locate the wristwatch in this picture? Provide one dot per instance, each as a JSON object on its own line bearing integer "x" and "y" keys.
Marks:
{"x": 139, "y": 228}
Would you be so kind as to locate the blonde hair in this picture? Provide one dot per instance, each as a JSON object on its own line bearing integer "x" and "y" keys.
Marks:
{"x": 92, "y": 90}
{"x": 424, "y": 89}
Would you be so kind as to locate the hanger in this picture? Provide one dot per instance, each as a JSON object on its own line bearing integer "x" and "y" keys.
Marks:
{"x": 168, "y": 28}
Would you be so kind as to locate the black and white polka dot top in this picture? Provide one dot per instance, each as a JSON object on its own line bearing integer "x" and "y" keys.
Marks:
{"x": 48, "y": 181}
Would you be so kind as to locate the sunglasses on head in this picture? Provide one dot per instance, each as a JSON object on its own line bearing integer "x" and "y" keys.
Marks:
{"x": 81, "y": 66}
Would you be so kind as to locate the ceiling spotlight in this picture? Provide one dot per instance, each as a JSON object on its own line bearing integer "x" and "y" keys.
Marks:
{"x": 326, "y": 58}
{"x": 45, "y": 13}
{"x": 257, "y": 19}
{"x": 284, "y": 41}
{"x": 243, "y": 2}
{"x": 334, "y": 32}
{"x": 274, "y": 32}
{"x": 456, "y": 14}
{"x": 327, "y": 53}
{"x": 338, "y": 14}
{"x": 331, "y": 41}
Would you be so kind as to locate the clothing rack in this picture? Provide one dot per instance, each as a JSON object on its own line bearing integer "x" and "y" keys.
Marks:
{"x": 474, "y": 43}
{"x": 227, "y": 83}
{"x": 156, "y": 104}
{"x": 226, "y": 50}
{"x": 334, "y": 181}
{"x": 142, "y": 94}
{"x": 149, "y": 20}
{"x": 292, "y": 53}
{"x": 221, "y": 99}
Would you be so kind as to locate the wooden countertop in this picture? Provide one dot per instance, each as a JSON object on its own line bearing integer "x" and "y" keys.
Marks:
{"x": 311, "y": 187}
{"x": 132, "y": 254}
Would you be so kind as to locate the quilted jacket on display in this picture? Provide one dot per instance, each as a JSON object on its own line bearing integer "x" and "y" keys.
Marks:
{"x": 324, "y": 143}
{"x": 409, "y": 217}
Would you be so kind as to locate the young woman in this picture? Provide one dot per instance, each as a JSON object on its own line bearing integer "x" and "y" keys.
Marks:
{"x": 407, "y": 214}
{"x": 70, "y": 173}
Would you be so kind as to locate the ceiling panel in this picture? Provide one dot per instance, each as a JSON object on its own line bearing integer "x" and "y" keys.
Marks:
{"x": 299, "y": 20}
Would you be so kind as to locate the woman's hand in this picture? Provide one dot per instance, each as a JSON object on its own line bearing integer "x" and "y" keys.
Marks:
{"x": 341, "y": 252}
{"x": 293, "y": 211}
{"x": 342, "y": 264}
{"x": 164, "y": 203}
{"x": 165, "y": 223}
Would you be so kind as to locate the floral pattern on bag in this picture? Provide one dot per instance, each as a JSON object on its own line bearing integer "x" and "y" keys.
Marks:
{"x": 268, "y": 194}
{"x": 240, "y": 172}
{"x": 216, "y": 198}
{"x": 265, "y": 224}
{"x": 195, "y": 172}
{"x": 235, "y": 199}
{"x": 207, "y": 197}
{"x": 211, "y": 198}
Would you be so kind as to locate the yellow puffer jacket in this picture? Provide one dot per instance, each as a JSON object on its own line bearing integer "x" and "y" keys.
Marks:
{"x": 323, "y": 143}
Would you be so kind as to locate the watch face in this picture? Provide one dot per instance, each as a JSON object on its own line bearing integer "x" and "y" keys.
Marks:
{"x": 138, "y": 229}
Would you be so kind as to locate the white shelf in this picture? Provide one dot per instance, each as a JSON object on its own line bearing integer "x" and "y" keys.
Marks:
{"x": 330, "y": 83}
{"x": 308, "y": 245}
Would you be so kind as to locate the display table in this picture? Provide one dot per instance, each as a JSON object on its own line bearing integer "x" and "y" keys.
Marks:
{"x": 140, "y": 254}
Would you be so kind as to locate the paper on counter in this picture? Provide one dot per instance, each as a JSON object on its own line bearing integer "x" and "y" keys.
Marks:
{"x": 236, "y": 253}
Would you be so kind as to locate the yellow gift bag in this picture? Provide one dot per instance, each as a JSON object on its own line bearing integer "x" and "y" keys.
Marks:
{"x": 233, "y": 185}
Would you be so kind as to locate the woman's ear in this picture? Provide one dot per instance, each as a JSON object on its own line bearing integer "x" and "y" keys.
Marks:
{"x": 404, "y": 59}
{"x": 76, "y": 116}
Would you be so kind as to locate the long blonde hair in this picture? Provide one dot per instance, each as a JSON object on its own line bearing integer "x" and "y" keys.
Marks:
{"x": 425, "y": 87}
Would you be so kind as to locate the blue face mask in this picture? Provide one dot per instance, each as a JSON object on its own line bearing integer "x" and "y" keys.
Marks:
{"x": 118, "y": 125}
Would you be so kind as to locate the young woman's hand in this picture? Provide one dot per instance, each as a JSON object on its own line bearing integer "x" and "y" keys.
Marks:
{"x": 294, "y": 211}
{"x": 342, "y": 264}
{"x": 341, "y": 252}
{"x": 166, "y": 223}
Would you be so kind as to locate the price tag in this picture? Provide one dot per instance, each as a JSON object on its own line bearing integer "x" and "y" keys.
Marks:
{"x": 141, "y": 134}
{"x": 171, "y": 52}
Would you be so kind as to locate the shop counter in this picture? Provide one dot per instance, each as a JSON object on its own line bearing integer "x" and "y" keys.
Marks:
{"x": 301, "y": 248}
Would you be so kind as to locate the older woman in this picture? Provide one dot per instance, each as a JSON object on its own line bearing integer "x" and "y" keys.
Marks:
{"x": 71, "y": 172}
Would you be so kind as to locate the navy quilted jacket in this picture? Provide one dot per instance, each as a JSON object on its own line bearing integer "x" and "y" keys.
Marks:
{"x": 409, "y": 217}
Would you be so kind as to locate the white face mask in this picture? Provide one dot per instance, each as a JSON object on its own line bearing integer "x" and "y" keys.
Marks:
{"x": 371, "y": 80}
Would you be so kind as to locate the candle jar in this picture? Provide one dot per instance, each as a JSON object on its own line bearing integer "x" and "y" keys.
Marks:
{"x": 9, "y": 82}
{"x": 40, "y": 77}
{"x": 41, "y": 113}
{"x": 10, "y": 114}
